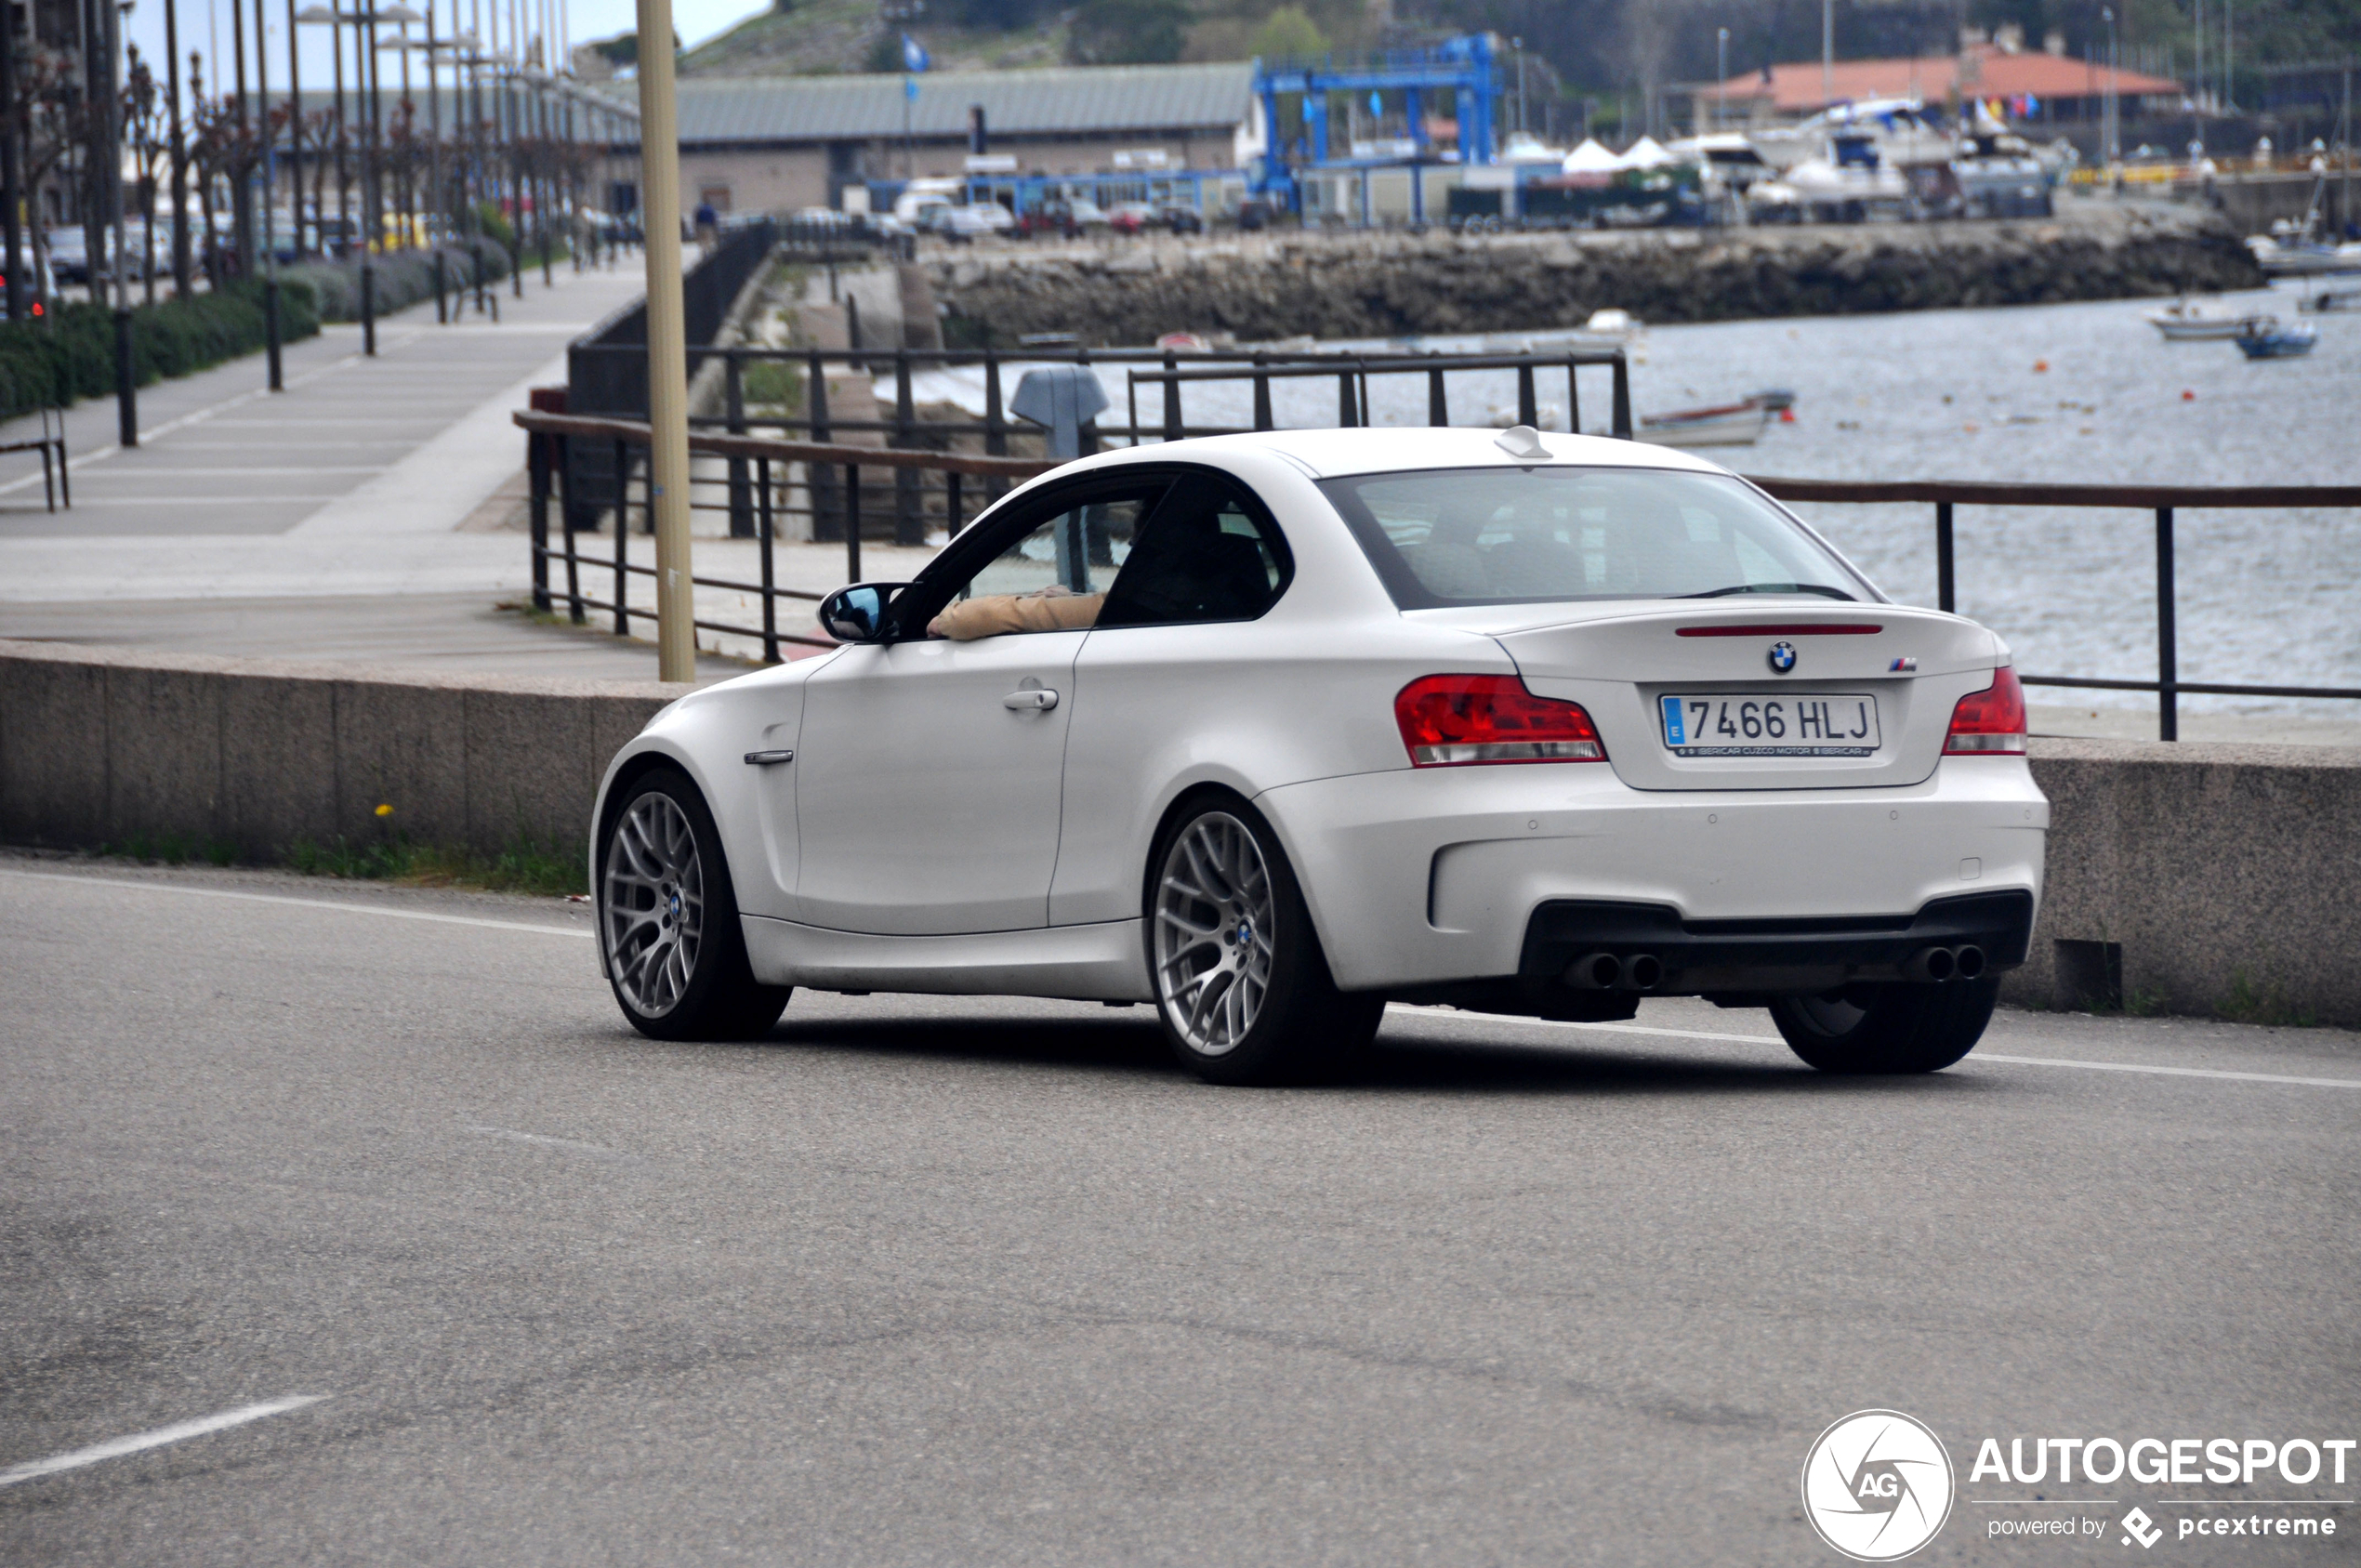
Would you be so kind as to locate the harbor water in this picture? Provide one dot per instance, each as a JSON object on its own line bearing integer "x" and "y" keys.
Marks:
{"x": 2083, "y": 393}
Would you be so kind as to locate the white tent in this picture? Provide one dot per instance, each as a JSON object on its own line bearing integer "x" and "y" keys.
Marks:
{"x": 1590, "y": 158}
{"x": 1646, "y": 153}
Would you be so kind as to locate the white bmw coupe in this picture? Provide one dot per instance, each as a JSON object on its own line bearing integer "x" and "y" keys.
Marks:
{"x": 1268, "y": 729}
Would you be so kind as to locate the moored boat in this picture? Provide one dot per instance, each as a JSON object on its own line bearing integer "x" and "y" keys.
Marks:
{"x": 2266, "y": 337}
{"x": 2194, "y": 321}
{"x": 1737, "y": 424}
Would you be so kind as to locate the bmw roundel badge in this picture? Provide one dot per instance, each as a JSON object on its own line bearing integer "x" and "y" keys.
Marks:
{"x": 1782, "y": 657}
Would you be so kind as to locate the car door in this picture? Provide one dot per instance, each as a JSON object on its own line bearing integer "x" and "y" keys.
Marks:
{"x": 1166, "y": 666}
{"x": 929, "y": 769}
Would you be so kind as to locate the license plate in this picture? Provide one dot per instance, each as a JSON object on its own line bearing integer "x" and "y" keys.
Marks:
{"x": 1713, "y": 724}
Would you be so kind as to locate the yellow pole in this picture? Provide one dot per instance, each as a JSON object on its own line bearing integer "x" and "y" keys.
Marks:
{"x": 668, "y": 351}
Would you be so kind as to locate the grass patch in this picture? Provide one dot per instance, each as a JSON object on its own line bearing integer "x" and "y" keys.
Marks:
{"x": 2250, "y": 1001}
{"x": 172, "y": 848}
{"x": 524, "y": 866}
{"x": 774, "y": 382}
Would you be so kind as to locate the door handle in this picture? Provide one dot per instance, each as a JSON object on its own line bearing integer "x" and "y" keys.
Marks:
{"x": 768, "y": 759}
{"x": 1036, "y": 699}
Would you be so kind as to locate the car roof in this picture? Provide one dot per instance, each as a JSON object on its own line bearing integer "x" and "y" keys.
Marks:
{"x": 1332, "y": 454}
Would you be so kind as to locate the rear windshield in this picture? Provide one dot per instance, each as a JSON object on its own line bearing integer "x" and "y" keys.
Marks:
{"x": 1447, "y": 536}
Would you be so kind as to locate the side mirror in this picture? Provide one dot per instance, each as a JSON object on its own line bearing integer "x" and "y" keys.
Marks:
{"x": 857, "y": 614}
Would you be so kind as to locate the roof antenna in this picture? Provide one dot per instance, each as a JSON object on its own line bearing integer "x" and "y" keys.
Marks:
{"x": 1521, "y": 440}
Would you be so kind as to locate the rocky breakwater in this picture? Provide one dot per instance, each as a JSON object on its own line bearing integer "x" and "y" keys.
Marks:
{"x": 1262, "y": 287}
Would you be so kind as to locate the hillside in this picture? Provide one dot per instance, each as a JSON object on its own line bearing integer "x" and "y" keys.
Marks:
{"x": 823, "y": 37}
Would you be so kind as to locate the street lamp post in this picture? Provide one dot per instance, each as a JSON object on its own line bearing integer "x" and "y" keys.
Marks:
{"x": 401, "y": 16}
{"x": 294, "y": 128}
{"x": 336, "y": 21}
{"x": 1721, "y": 73}
{"x": 323, "y": 16}
{"x": 11, "y": 228}
{"x": 182, "y": 283}
{"x": 2110, "y": 131}
{"x": 1827, "y": 52}
{"x": 125, "y": 367}
{"x": 270, "y": 227}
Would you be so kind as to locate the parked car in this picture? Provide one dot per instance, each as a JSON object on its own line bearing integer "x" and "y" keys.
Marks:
{"x": 1181, "y": 219}
{"x": 1290, "y": 724}
{"x": 1133, "y": 217}
{"x": 1069, "y": 218}
{"x": 69, "y": 256}
{"x": 977, "y": 220}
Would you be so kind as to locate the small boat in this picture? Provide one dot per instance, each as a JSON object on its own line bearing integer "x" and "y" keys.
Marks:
{"x": 1737, "y": 424}
{"x": 2191, "y": 320}
{"x": 1184, "y": 342}
{"x": 2303, "y": 258}
{"x": 2263, "y": 338}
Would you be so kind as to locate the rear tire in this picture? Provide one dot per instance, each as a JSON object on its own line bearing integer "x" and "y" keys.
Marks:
{"x": 1242, "y": 989}
{"x": 1888, "y": 1028}
{"x": 668, "y": 920}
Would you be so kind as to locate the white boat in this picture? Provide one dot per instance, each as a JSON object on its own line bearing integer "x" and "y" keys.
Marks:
{"x": 1737, "y": 424}
{"x": 1604, "y": 329}
{"x": 2192, "y": 321}
{"x": 2303, "y": 258}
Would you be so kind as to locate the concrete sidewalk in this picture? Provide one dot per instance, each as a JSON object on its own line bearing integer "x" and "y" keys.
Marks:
{"x": 353, "y": 482}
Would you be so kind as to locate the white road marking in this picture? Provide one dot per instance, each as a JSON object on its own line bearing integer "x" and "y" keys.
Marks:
{"x": 125, "y": 882}
{"x": 1976, "y": 1057}
{"x": 2169, "y": 1072}
{"x": 180, "y": 1431}
{"x": 1563, "y": 1023}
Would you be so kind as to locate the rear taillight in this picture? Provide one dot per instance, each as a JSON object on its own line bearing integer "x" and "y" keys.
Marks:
{"x": 1990, "y": 720}
{"x": 1449, "y": 720}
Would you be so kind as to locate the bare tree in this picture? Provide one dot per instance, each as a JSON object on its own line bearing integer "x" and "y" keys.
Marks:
{"x": 143, "y": 123}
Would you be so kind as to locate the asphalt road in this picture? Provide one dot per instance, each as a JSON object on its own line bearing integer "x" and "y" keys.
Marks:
{"x": 953, "y": 1281}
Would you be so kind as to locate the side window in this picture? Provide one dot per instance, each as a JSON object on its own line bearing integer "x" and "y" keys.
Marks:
{"x": 1057, "y": 560}
{"x": 1207, "y": 554}
{"x": 1079, "y": 549}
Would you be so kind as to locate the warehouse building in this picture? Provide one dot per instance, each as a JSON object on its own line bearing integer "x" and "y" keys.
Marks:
{"x": 775, "y": 143}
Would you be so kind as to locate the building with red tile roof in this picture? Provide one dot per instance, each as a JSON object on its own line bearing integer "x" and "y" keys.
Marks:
{"x": 2050, "y": 87}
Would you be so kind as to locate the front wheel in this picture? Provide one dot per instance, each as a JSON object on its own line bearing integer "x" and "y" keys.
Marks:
{"x": 668, "y": 920}
{"x": 1888, "y": 1028}
{"x": 1242, "y": 987}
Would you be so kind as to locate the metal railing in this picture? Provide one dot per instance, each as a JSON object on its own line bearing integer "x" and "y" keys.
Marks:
{"x": 833, "y": 478}
{"x": 552, "y": 438}
{"x": 1167, "y": 371}
{"x": 2164, "y": 500}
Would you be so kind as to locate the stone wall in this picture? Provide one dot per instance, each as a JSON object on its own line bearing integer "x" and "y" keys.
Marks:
{"x": 2229, "y": 874}
{"x": 1264, "y": 287}
{"x": 254, "y": 755}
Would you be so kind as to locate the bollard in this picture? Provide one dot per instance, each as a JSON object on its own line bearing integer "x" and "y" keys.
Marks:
{"x": 1060, "y": 399}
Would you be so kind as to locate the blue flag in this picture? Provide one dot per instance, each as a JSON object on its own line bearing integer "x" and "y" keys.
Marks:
{"x": 914, "y": 54}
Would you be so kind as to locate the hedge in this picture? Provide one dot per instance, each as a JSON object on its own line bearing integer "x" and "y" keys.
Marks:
{"x": 404, "y": 278}
{"x": 71, "y": 354}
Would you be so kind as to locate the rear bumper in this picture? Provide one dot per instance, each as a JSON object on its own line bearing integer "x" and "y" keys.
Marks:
{"x": 1431, "y": 876}
{"x": 1756, "y": 956}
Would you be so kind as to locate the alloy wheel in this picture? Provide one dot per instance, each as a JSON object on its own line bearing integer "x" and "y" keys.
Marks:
{"x": 1215, "y": 919}
{"x": 653, "y": 906}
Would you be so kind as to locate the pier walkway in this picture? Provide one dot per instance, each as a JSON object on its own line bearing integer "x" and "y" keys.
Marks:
{"x": 344, "y": 518}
